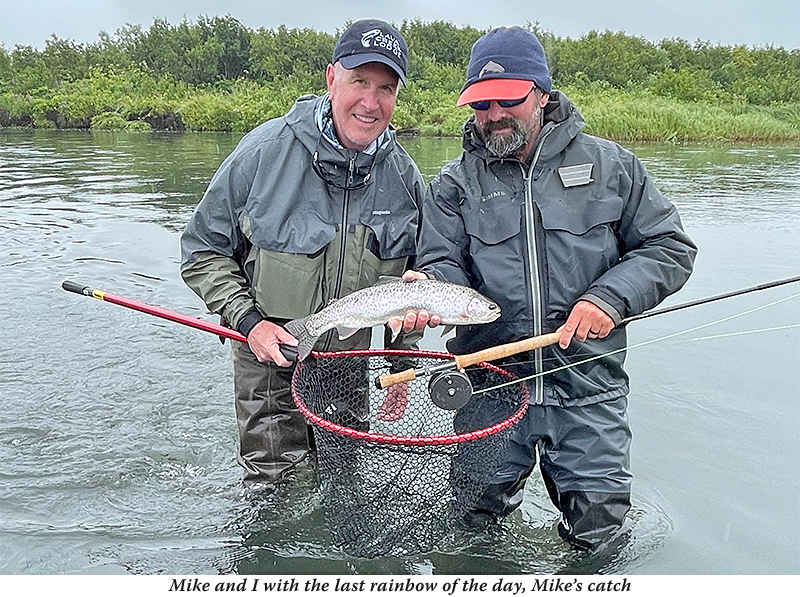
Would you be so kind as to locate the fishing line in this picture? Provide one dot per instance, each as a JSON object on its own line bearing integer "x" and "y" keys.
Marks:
{"x": 639, "y": 345}
{"x": 742, "y": 333}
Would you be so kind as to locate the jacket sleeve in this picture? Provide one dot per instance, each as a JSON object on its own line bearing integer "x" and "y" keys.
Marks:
{"x": 213, "y": 247}
{"x": 442, "y": 241}
{"x": 656, "y": 254}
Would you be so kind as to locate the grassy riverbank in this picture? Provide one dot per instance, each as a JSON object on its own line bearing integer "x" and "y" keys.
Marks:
{"x": 135, "y": 102}
{"x": 217, "y": 75}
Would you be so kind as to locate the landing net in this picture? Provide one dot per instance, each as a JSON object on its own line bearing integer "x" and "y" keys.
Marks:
{"x": 397, "y": 487}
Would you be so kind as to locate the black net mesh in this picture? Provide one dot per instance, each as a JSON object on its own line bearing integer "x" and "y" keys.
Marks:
{"x": 383, "y": 493}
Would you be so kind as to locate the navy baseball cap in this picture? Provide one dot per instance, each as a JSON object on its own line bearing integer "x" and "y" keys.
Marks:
{"x": 371, "y": 40}
{"x": 504, "y": 65}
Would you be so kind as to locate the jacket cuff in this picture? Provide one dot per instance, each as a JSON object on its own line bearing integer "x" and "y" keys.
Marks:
{"x": 248, "y": 321}
{"x": 603, "y": 306}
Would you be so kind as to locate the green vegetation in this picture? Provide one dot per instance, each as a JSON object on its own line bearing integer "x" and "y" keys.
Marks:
{"x": 218, "y": 75}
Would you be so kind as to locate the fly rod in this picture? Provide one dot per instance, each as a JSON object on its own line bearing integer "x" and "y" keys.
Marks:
{"x": 496, "y": 352}
{"x": 290, "y": 352}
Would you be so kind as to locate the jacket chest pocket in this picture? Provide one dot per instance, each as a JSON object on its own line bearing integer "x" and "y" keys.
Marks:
{"x": 491, "y": 222}
{"x": 580, "y": 244}
{"x": 288, "y": 285}
{"x": 394, "y": 262}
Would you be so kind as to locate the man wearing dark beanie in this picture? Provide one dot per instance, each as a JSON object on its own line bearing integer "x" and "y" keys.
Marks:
{"x": 567, "y": 232}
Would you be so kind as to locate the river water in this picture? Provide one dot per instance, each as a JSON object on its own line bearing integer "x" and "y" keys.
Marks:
{"x": 117, "y": 431}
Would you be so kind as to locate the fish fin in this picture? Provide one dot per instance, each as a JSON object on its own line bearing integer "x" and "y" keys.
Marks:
{"x": 305, "y": 341}
{"x": 447, "y": 329}
{"x": 345, "y": 331}
{"x": 396, "y": 325}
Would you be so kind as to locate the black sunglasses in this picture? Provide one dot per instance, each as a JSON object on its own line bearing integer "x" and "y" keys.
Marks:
{"x": 484, "y": 104}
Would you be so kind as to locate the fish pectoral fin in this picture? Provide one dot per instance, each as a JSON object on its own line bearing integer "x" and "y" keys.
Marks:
{"x": 447, "y": 329}
{"x": 345, "y": 332}
{"x": 396, "y": 325}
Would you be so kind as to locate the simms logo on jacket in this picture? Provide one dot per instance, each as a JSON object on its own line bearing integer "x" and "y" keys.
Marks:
{"x": 376, "y": 38}
{"x": 492, "y": 195}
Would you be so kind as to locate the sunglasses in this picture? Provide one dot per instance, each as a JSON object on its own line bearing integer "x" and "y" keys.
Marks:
{"x": 484, "y": 104}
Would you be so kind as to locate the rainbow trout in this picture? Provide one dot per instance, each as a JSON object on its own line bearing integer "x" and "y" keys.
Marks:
{"x": 393, "y": 298}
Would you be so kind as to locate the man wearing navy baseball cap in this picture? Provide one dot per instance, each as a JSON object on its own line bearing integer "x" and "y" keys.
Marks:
{"x": 309, "y": 207}
{"x": 567, "y": 233}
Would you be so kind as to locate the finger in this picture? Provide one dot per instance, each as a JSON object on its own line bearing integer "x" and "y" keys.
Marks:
{"x": 409, "y": 321}
{"x": 582, "y": 330}
{"x": 284, "y": 337}
{"x": 390, "y": 410}
{"x": 434, "y": 321}
{"x": 411, "y": 275}
{"x": 567, "y": 333}
{"x": 422, "y": 320}
{"x": 606, "y": 329}
{"x": 276, "y": 356}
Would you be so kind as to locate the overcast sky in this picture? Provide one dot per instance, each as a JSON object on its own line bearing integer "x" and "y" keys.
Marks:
{"x": 727, "y": 22}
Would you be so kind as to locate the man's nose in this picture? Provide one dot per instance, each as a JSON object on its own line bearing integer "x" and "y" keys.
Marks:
{"x": 370, "y": 100}
{"x": 496, "y": 111}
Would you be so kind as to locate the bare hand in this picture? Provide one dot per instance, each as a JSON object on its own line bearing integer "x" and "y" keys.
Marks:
{"x": 265, "y": 340}
{"x": 415, "y": 321}
{"x": 585, "y": 321}
{"x": 394, "y": 405}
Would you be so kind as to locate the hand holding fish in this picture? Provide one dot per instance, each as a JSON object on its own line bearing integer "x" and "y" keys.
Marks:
{"x": 586, "y": 320}
{"x": 415, "y": 321}
{"x": 265, "y": 340}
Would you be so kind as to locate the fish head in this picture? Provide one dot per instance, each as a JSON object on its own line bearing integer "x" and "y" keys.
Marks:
{"x": 482, "y": 310}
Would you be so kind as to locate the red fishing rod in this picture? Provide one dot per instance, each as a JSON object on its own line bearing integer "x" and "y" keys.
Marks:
{"x": 290, "y": 352}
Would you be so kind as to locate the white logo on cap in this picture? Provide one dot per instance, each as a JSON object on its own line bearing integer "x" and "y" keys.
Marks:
{"x": 491, "y": 67}
{"x": 377, "y": 39}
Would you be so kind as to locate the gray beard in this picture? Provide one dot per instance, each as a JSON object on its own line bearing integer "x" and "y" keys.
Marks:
{"x": 510, "y": 144}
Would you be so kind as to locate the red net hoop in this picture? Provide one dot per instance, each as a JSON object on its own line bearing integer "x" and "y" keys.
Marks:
{"x": 396, "y": 487}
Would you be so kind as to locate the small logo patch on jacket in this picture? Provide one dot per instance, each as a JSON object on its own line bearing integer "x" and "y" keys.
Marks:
{"x": 493, "y": 195}
{"x": 575, "y": 176}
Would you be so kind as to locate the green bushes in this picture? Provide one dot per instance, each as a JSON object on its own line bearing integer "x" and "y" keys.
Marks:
{"x": 216, "y": 74}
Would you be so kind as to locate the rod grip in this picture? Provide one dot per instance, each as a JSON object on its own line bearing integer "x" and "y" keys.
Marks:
{"x": 76, "y": 288}
{"x": 390, "y": 379}
{"x": 505, "y": 350}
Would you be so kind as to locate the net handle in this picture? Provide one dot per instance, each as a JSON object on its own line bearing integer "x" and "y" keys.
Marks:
{"x": 465, "y": 360}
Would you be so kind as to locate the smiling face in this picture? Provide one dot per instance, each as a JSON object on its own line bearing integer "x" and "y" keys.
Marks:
{"x": 362, "y": 101}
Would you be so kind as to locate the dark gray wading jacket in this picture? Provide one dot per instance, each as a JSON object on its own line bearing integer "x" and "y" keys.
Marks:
{"x": 271, "y": 235}
{"x": 581, "y": 220}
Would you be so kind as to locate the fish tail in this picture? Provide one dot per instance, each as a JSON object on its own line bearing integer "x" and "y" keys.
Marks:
{"x": 305, "y": 340}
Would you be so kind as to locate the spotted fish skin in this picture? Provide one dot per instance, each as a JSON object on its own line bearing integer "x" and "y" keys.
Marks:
{"x": 376, "y": 305}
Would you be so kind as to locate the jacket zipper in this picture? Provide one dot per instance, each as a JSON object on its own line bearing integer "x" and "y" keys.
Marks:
{"x": 533, "y": 268}
{"x": 343, "y": 243}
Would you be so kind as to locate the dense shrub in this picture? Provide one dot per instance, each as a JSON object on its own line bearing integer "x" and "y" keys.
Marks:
{"x": 217, "y": 74}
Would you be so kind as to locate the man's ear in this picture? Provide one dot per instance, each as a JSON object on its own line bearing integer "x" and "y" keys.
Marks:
{"x": 545, "y": 98}
{"x": 329, "y": 76}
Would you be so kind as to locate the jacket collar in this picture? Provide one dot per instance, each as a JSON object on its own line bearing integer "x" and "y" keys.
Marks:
{"x": 331, "y": 159}
{"x": 307, "y": 119}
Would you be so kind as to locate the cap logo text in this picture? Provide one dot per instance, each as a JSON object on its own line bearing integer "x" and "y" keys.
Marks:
{"x": 377, "y": 39}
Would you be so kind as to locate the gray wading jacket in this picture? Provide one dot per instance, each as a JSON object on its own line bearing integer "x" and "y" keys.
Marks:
{"x": 581, "y": 220}
{"x": 271, "y": 235}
